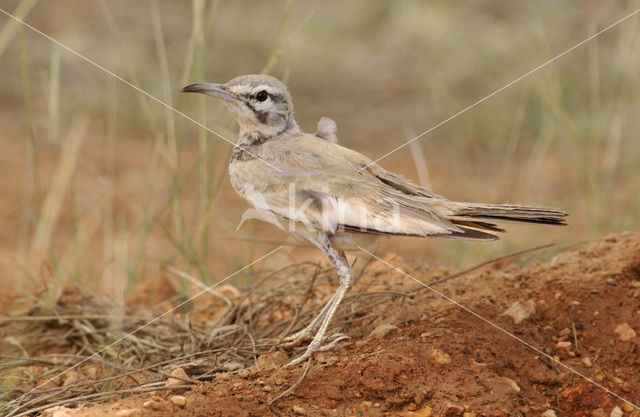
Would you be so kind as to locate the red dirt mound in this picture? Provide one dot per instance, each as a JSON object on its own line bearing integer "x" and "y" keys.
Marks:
{"x": 426, "y": 356}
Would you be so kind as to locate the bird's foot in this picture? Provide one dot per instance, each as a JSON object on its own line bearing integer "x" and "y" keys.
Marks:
{"x": 318, "y": 347}
{"x": 297, "y": 338}
{"x": 309, "y": 332}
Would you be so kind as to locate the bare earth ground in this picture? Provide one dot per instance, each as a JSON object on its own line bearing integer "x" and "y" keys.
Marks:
{"x": 424, "y": 356}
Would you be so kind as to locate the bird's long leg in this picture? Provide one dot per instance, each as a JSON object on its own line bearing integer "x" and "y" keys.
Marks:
{"x": 339, "y": 260}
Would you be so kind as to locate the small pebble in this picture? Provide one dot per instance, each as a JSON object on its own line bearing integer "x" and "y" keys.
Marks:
{"x": 520, "y": 311}
{"x": 627, "y": 407}
{"x": 616, "y": 412}
{"x": 565, "y": 332}
{"x": 625, "y": 332}
{"x": 155, "y": 403}
{"x": 425, "y": 411}
{"x": 179, "y": 400}
{"x": 563, "y": 346}
{"x": 179, "y": 375}
{"x": 128, "y": 412}
{"x": 598, "y": 412}
{"x": 611, "y": 282}
{"x": 453, "y": 410}
{"x": 331, "y": 404}
{"x": 298, "y": 409}
{"x": 440, "y": 357}
{"x": 586, "y": 361}
{"x": 570, "y": 393}
{"x": 594, "y": 291}
{"x": 513, "y": 384}
{"x": 58, "y": 411}
{"x": 468, "y": 414}
{"x": 412, "y": 407}
{"x": 549, "y": 413}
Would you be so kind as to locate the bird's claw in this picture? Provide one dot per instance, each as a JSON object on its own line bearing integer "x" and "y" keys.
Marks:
{"x": 297, "y": 339}
{"x": 317, "y": 347}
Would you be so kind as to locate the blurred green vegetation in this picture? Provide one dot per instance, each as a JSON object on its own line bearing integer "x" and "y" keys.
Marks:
{"x": 107, "y": 186}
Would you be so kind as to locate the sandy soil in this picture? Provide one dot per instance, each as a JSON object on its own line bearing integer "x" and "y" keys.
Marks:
{"x": 426, "y": 356}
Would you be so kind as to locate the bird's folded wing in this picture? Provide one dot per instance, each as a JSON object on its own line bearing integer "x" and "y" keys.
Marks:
{"x": 323, "y": 185}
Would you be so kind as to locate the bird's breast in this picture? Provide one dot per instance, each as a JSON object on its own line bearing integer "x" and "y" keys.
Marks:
{"x": 252, "y": 175}
{"x": 240, "y": 176}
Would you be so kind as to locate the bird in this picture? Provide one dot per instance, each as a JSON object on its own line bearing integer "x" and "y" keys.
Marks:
{"x": 334, "y": 197}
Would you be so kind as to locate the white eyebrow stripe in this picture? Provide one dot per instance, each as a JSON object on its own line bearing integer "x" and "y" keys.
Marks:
{"x": 240, "y": 89}
{"x": 265, "y": 87}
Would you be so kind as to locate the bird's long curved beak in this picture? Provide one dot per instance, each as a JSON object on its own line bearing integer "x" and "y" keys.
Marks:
{"x": 212, "y": 89}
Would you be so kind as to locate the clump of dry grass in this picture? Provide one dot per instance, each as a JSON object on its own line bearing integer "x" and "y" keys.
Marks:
{"x": 87, "y": 350}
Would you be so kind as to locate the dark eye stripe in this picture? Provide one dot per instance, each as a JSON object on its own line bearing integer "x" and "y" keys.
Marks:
{"x": 274, "y": 96}
{"x": 260, "y": 115}
{"x": 277, "y": 97}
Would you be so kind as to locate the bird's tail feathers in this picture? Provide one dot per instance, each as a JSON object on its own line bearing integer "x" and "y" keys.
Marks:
{"x": 476, "y": 220}
{"x": 507, "y": 213}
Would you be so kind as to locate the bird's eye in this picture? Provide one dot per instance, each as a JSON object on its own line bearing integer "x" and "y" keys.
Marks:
{"x": 262, "y": 96}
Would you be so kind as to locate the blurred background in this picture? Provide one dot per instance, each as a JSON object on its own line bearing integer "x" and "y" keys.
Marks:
{"x": 104, "y": 186}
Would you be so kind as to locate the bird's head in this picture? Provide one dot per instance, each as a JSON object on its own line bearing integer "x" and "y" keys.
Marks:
{"x": 261, "y": 104}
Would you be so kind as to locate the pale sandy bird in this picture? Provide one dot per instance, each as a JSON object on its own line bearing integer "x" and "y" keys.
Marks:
{"x": 332, "y": 196}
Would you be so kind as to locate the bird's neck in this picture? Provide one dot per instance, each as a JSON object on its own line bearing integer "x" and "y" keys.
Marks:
{"x": 251, "y": 134}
